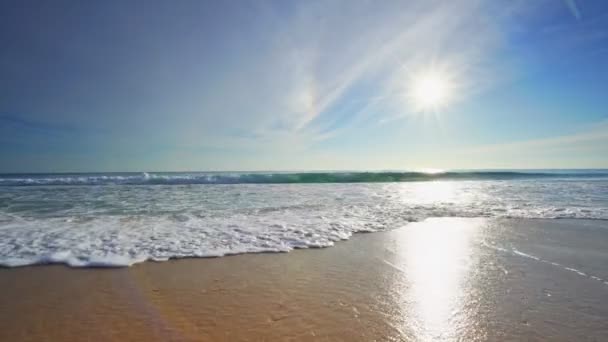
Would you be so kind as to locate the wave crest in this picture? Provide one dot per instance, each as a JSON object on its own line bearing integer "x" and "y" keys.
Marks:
{"x": 278, "y": 178}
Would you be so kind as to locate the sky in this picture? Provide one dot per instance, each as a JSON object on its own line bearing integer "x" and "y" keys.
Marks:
{"x": 302, "y": 85}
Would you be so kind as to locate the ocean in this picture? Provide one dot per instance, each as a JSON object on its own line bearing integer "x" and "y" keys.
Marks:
{"x": 119, "y": 219}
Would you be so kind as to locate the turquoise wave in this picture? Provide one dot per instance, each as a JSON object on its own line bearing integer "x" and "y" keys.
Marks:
{"x": 280, "y": 177}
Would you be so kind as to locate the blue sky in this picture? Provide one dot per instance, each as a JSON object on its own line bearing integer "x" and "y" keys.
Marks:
{"x": 307, "y": 85}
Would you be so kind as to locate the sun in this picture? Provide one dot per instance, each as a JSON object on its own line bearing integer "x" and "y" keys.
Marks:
{"x": 430, "y": 90}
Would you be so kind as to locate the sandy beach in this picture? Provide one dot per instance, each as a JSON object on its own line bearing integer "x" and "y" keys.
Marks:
{"x": 333, "y": 170}
{"x": 440, "y": 279}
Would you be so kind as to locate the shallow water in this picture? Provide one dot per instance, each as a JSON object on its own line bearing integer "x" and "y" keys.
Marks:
{"x": 110, "y": 224}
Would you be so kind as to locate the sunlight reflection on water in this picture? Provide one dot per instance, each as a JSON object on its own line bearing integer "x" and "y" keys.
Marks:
{"x": 435, "y": 261}
{"x": 432, "y": 192}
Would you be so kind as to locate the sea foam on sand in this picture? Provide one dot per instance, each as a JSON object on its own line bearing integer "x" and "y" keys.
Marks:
{"x": 119, "y": 225}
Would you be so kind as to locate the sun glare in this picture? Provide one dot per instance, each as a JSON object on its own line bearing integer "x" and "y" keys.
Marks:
{"x": 430, "y": 91}
{"x": 432, "y": 171}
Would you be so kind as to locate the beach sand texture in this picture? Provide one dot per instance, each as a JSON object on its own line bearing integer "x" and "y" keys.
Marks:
{"x": 440, "y": 279}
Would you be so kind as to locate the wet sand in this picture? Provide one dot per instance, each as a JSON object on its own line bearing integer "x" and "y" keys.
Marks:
{"x": 441, "y": 279}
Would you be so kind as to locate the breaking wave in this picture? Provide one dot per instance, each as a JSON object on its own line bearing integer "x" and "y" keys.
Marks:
{"x": 281, "y": 178}
{"x": 109, "y": 224}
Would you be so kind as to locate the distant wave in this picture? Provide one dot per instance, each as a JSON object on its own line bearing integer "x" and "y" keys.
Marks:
{"x": 278, "y": 178}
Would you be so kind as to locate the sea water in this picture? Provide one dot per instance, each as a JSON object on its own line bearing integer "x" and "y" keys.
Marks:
{"x": 118, "y": 219}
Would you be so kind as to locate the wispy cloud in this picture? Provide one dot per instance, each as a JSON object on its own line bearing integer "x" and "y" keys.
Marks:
{"x": 578, "y": 149}
{"x": 573, "y": 7}
{"x": 14, "y": 122}
{"x": 288, "y": 82}
{"x": 598, "y": 134}
{"x": 318, "y": 58}
{"x": 16, "y": 130}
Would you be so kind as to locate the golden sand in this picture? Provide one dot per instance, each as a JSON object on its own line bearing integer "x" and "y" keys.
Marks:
{"x": 436, "y": 280}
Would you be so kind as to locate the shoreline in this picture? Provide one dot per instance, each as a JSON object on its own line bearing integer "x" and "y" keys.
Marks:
{"x": 445, "y": 278}
{"x": 573, "y": 221}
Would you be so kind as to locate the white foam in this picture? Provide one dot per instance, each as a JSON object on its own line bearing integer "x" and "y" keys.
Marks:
{"x": 121, "y": 225}
{"x": 514, "y": 251}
